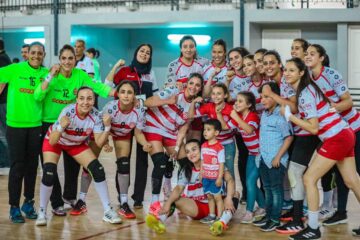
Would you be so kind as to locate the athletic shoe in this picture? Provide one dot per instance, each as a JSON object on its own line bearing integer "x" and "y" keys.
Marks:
{"x": 41, "y": 219}
{"x": 325, "y": 213}
{"x": 288, "y": 216}
{"x": 217, "y": 228}
{"x": 126, "y": 212}
{"x": 270, "y": 226}
{"x": 243, "y": 200}
{"x": 287, "y": 204}
{"x": 307, "y": 234}
{"x": 208, "y": 219}
{"x": 16, "y": 216}
{"x": 290, "y": 228}
{"x": 261, "y": 222}
{"x": 69, "y": 204}
{"x": 111, "y": 216}
{"x": 79, "y": 208}
{"x": 337, "y": 218}
{"x": 259, "y": 213}
{"x": 155, "y": 208}
{"x": 29, "y": 209}
{"x": 248, "y": 217}
{"x": 356, "y": 232}
{"x": 59, "y": 211}
{"x": 138, "y": 205}
{"x": 155, "y": 224}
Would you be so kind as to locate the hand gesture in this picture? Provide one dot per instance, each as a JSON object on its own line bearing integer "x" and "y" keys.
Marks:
{"x": 106, "y": 119}
{"x": 107, "y": 148}
{"x": 198, "y": 100}
{"x": 64, "y": 122}
{"x": 147, "y": 147}
{"x": 172, "y": 100}
{"x": 230, "y": 74}
{"x": 276, "y": 162}
{"x": 120, "y": 63}
{"x": 55, "y": 69}
{"x": 180, "y": 86}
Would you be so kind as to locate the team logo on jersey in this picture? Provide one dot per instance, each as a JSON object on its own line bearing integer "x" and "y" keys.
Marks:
{"x": 343, "y": 88}
{"x": 122, "y": 124}
{"x": 302, "y": 100}
{"x": 169, "y": 80}
{"x": 336, "y": 76}
{"x": 331, "y": 72}
{"x": 72, "y": 110}
{"x": 68, "y": 114}
{"x": 132, "y": 125}
{"x": 110, "y": 111}
{"x": 88, "y": 131}
{"x": 214, "y": 160}
{"x": 114, "y": 107}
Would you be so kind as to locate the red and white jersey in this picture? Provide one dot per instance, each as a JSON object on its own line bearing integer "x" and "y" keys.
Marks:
{"x": 220, "y": 77}
{"x": 211, "y": 156}
{"x": 80, "y": 128}
{"x": 86, "y": 64}
{"x": 312, "y": 105}
{"x": 193, "y": 188}
{"x": 167, "y": 119}
{"x": 238, "y": 84}
{"x": 254, "y": 88}
{"x": 333, "y": 86}
{"x": 123, "y": 122}
{"x": 178, "y": 71}
{"x": 208, "y": 109}
{"x": 251, "y": 140}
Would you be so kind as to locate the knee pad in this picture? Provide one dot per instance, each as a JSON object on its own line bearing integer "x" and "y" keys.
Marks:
{"x": 169, "y": 167}
{"x": 123, "y": 165}
{"x": 159, "y": 160}
{"x": 295, "y": 173}
{"x": 49, "y": 173}
{"x": 96, "y": 170}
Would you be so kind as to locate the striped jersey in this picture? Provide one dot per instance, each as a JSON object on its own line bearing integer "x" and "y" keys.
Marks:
{"x": 193, "y": 187}
{"x": 333, "y": 86}
{"x": 218, "y": 78}
{"x": 80, "y": 128}
{"x": 254, "y": 88}
{"x": 238, "y": 84}
{"x": 211, "y": 156}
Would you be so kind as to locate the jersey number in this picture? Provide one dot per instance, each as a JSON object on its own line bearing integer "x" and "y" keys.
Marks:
{"x": 66, "y": 93}
{"x": 32, "y": 81}
{"x": 79, "y": 131}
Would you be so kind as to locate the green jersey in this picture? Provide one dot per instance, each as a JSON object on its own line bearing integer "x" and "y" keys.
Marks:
{"x": 22, "y": 109}
{"x": 97, "y": 76}
{"x": 62, "y": 91}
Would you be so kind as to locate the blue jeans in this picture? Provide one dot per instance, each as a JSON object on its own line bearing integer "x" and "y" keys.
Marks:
{"x": 272, "y": 179}
{"x": 229, "y": 158}
{"x": 253, "y": 191}
{"x": 4, "y": 151}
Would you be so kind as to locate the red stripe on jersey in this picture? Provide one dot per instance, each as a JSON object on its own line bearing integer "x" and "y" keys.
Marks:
{"x": 193, "y": 187}
{"x": 121, "y": 126}
{"x": 330, "y": 93}
{"x": 182, "y": 80}
{"x": 344, "y": 113}
{"x": 320, "y": 105}
{"x": 329, "y": 126}
{"x": 153, "y": 115}
{"x": 75, "y": 133}
{"x": 329, "y": 114}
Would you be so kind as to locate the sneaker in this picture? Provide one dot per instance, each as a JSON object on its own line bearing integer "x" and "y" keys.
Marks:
{"x": 243, "y": 200}
{"x": 79, "y": 208}
{"x": 29, "y": 209}
{"x": 59, "y": 211}
{"x": 111, "y": 216}
{"x": 41, "y": 219}
{"x": 307, "y": 233}
{"x": 16, "y": 216}
{"x": 261, "y": 222}
{"x": 138, "y": 205}
{"x": 356, "y": 232}
{"x": 155, "y": 224}
{"x": 248, "y": 217}
{"x": 287, "y": 204}
{"x": 325, "y": 213}
{"x": 126, "y": 211}
{"x": 259, "y": 213}
{"x": 337, "y": 218}
{"x": 288, "y": 216}
{"x": 208, "y": 219}
{"x": 290, "y": 227}
{"x": 155, "y": 208}
{"x": 270, "y": 226}
{"x": 217, "y": 228}
{"x": 69, "y": 204}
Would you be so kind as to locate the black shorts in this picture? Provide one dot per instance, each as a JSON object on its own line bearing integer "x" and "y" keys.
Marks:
{"x": 304, "y": 148}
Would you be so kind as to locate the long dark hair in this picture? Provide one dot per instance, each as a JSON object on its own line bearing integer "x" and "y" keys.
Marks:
{"x": 306, "y": 79}
{"x": 185, "y": 165}
{"x": 250, "y": 99}
{"x": 66, "y": 47}
{"x": 241, "y": 50}
{"x": 139, "y": 67}
{"x": 322, "y": 53}
{"x": 304, "y": 43}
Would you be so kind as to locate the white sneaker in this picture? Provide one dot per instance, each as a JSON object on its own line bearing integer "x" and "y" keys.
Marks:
{"x": 111, "y": 216}
{"x": 326, "y": 213}
{"x": 41, "y": 219}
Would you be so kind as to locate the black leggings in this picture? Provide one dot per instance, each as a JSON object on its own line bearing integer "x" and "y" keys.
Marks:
{"x": 24, "y": 150}
{"x": 243, "y": 154}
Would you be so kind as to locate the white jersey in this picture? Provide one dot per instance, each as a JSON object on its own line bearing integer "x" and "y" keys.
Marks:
{"x": 193, "y": 188}
{"x": 122, "y": 123}
{"x": 238, "y": 84}
{"x": 178, "y": 71}
{"x": 167, "y": 119}
{"x": 254, "y": 88}
{"x": 86, "y": 64}
{"x": 80, "y": 128}
{"x": 218, "y": 78}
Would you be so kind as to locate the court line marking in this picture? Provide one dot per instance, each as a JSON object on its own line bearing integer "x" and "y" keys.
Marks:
{"x": 109, "y": 231}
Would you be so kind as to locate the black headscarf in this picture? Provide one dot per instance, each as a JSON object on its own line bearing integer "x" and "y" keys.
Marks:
{"x": 141, "y": 68}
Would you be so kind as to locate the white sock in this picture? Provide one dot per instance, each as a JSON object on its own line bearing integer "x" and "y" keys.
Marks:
{"x": 123, "y": 198}
{"x": 82, "y": 196}
{"x": 163, "y": 218}
{"x": 84, "y": 185}
{"x": 102, "y": 190}
{"x": 313, "y": 219}
{"x": 226, "y": 217}
{"x": 155, "y": 198}
{"x": 328, "y": 199}
{"x": 45, "y": 193}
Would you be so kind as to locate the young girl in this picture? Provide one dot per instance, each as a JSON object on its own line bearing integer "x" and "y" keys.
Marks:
{"x": 337, "y": 147}
{"x": 334, "y": 87}
{"x": 299, "y": 47}
{"x": 248, "y": 123}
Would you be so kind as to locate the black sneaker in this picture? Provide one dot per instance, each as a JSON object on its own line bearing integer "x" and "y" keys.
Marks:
{"x": 307, "y": 234}
{"x": 356, "y": 232}
{"x": 290, "y": 227}
{"x": 337, "y": 218}
{"x": 270, "y": 226}
{"x": 288, "y": 216}
{"x": 261, "y": 222}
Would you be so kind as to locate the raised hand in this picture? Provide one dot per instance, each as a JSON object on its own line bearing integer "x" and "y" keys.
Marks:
{"x": 64, "y": 122}
{"x": 106, "y": 119}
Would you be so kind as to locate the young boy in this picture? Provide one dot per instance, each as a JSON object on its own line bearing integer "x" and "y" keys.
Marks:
{"x": 275, "y": 139}
{"x": 212, "y": 169}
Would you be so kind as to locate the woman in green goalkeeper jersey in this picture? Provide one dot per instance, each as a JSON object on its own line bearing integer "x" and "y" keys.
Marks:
{"x": 23, "y": 121}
